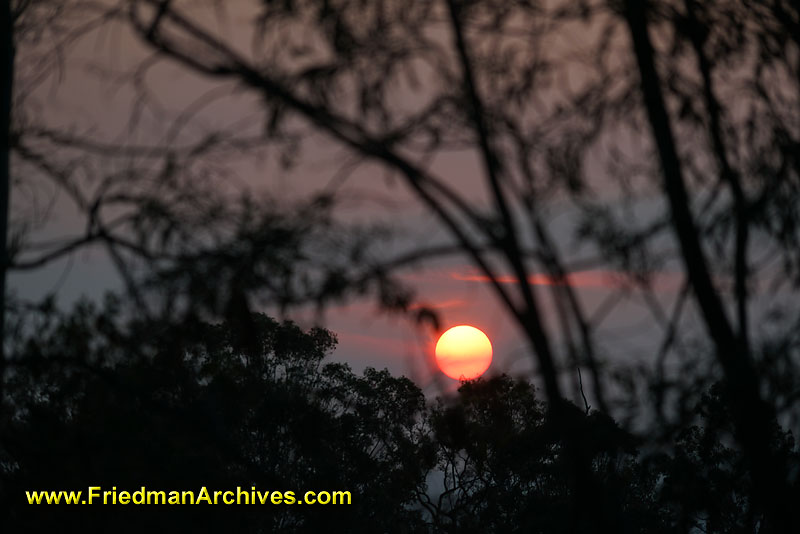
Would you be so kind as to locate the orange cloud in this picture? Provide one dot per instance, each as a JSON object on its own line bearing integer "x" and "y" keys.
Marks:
{"x": 597, "y": 279}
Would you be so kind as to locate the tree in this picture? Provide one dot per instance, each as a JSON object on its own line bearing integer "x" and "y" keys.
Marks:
{"x": 486, "y": 73}
{"x": 505, "y": 465}
{"x": 707, "y": 482}
{"x": 184, "y": 409}
{"x": 7, "y": 53}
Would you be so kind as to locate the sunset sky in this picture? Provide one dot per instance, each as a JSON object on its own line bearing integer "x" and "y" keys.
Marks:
{"x": 92, "y": 98}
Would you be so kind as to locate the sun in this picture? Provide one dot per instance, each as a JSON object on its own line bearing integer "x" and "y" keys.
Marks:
{"x": 463, "y": 352}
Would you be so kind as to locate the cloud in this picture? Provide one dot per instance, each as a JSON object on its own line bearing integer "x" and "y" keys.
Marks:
{"x": 588, "y": 279}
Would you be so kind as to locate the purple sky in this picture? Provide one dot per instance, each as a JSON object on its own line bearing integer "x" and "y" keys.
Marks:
{"x": 85, "y": 98}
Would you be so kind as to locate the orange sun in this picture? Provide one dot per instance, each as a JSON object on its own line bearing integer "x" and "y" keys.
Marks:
{"x": 463, "y": 352}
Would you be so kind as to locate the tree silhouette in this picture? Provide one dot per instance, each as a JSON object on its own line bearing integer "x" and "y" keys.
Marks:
{"x": 490, "y": 89}
{"x": 183, "y": 407}
{"x": 708, "y": 483}
{"x": 664, "y": 129}
{"x": 180, "y": 410}
{"x": 506, "y": 468}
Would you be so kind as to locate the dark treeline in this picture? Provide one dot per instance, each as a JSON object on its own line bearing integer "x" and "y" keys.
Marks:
{"x": 178, "y": 408}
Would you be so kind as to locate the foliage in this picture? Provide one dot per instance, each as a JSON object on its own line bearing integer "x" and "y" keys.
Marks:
{"x": 101, "y": 404}
{"x": 180, "y": 409}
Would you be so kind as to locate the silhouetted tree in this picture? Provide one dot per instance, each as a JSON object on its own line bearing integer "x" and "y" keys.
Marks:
{"x": 707, "y": 482}
{"x": 174, "y": 408}
{"x": 505, "y": 469}
{"x": 99, "y": 401}
{"x": 659, "y": 78}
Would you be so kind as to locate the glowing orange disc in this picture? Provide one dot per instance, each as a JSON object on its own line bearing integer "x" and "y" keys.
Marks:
{"x": 463, "y": 352}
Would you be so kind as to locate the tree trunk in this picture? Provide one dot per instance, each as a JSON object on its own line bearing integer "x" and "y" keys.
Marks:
{"x": 7, "y": 57}
{"x": 754, "y": 418}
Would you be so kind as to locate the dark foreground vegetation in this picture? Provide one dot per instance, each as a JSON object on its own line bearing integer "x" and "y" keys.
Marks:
{"x": 181, "y": 408}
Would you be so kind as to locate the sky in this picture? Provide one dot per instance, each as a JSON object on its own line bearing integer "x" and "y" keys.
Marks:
{"x": 91, "y": 96}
